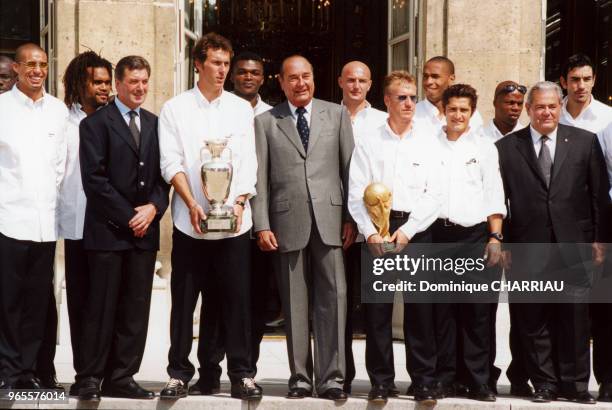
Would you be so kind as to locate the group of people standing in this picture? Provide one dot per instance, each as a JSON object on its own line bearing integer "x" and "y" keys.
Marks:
{"x": 96, "y": 171}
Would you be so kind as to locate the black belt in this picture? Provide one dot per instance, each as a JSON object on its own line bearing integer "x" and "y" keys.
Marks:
{"x": 399, "y": 214}
{"x": 446, "y": 222}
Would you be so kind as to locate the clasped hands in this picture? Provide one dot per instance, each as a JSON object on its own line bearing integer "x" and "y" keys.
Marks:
{"x": 142, "y": 220}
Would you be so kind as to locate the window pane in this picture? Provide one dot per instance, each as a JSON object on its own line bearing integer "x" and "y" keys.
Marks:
{"x": 400, "y": 17}
{"x": 401, "y": 56}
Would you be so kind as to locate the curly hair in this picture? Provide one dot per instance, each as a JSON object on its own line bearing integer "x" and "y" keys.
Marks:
{"x": 460, "y": 91}
{"x": 77, "y": 75}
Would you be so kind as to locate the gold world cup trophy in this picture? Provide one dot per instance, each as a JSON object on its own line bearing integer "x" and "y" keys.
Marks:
{"x": 377, "y": 198}
{"x": 216, "y": 173}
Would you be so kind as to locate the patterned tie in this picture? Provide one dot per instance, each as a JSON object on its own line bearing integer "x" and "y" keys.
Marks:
{"x": 545, "y": 160}
{"x": 134, "y": 128}
{"x": 302, "y": 127}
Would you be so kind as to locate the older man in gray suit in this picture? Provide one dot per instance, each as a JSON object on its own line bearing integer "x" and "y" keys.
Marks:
{"x": 304, "y": 147}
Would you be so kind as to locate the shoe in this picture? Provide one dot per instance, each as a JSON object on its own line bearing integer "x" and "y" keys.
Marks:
{"x": 50, "y": 383}
{"x": 298, "y": 393}
{"x": 32, "y": 383}
{"x": 129, "y": 390}
{"x": 605, "y": 392}
{"x": 200, "y": 388}
{"x": 347, "y": 388}
{"x": 521, "y": 390}
{"x": 461, "y": 390}
{"x": 74, "y": 389}
{"x": 543, "y": 396}
{"x": 334, "y": 394}
{"x": 5, "y": 390}
{"x": 444, "y": 390}
{"x": 174, "y": 389}
{"x": 425, "y": 395}
{"x": 582, "y": 397}
{"x": 89, "y": 390}
{"x": 246, "y": 389}
{"x": 378, "y": 394}
{"x": 481, "y": 393}
{"x": 393, "y": 391}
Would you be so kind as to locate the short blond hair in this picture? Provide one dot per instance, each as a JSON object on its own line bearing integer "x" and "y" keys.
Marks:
{"x": 401, "y": 76}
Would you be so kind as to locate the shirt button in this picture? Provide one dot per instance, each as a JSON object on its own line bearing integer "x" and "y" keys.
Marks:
{"x": 141, "y": 163}
{"x": 141, "y": 183}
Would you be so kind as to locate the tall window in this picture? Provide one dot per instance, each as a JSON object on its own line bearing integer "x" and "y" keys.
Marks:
{"x": 47, "y": 41}
{"x": 190, "y": 15}
{"x": 403, "y": 15}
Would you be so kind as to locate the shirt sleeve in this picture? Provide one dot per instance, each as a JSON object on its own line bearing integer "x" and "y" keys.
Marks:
{"x": 605, "y": 140}
{"x": 360, "y": 176}
{"x": 246, "y": 174}
{"x": 62, "y": 152}
{"x": 494, "y": 199}
{"x": 170, "y": 151}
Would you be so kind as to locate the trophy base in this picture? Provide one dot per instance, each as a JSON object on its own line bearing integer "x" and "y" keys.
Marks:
{"x": 388, "y": 247}
{"x": 218, "y": 223}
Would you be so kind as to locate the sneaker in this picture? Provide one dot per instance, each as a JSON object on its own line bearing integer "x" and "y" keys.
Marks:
{"x": 246, "y": 389}
{"x": 174, "y": 389}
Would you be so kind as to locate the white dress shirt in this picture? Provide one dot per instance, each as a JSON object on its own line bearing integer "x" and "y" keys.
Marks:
{"x": 32, "y": 158}
{"x": 184, "y": 123}
{"x": 537, "y": 143}
{"x": 407, "y": 166}
{"x": 72, "y": 199}
{"x": 473, "y": 188}
{"x": 125, "y": 112}
{"x": 307, "y": 114}
{"x": 494, "y": 134}
{"x": 261, "y": 106}
{"x": 367, "y": 121}
{"x": 606, "y": 137}
{"x": 429, "y": 113}
{"x": 594, "y": 118}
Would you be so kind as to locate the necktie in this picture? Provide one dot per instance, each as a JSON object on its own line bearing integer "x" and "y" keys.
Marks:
{"x": 302, "y": 127}
{"x": 134, "y": 128}
{"x": 545, "y": 160}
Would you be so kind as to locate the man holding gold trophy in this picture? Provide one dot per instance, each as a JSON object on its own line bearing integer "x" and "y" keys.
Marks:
{"x": 207, "y": 146}
{"x": 394, "y": 199}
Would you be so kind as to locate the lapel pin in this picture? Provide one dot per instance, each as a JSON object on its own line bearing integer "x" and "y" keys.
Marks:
{"x": 565, "y": 140}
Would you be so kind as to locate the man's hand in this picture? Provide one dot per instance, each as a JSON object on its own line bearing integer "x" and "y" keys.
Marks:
{"x": 349, "y": 233}
{"x": 599, "y": 253}
{"x": 143, "y": 218}
{"x": 493, "y": 252}
{"x": 400, "y": 239}
{"x": 196, "y": 214}
{"x": 375, "y": 242}
{"x": 238, "y": 210}
{"x": 267, "y": 241}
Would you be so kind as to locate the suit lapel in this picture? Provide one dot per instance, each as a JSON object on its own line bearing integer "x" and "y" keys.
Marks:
{"x": 287, "y": 126}
{"x": 121, "y": 128}
{"x": 524, "y": 145}
{"x": 316, "y": 121}
{"x": 562, "y": 148}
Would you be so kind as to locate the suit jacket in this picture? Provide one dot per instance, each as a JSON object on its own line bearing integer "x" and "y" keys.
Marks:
{"x": 291, "y": 181}
{"x": 117, "y": 177}
{"x": 574, "y": 206}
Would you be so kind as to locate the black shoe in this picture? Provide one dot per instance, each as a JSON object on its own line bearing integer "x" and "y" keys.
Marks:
{"x": 425, "y": 395}
{"x": 493, "y": 386}
{"x": 50, "y": 383}
{"x": 347, "y": 388}
{"x": 129, "y": 390}
{"x": 393, "y": 391}
{"x": 582, "y": 397}
{"x": 605, "y": 392}
{"x": 334, "y": 394}
{"x": 298, "y": 393}
{"x": 544, "y": 396}
{"x": 89, "y": 390}
{"x": 521, "y": 390}
{"x": 173, "y": 390}
{"x": 32, "y": 383}
{"x": 444, "y": 390}
{"x": 74, "y": 389}
{"x": 481, "y": 393}
{"x": 200, "y": 388}
{"x": 5, "y": 390}
{"x": 246, "y": 389}
{"x": 378, "y": 394}
{"x": 461, "y": 390}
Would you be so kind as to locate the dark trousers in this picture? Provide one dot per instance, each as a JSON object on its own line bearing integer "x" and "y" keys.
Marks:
{"x": 463, "y": 330}
{"x": 26, "y": 273}
{"x": 77, "y": 288}
{"x": 352, "y": 263}
{"x": 45, "y": 368}
{"x": 601, "y": 329}
{"x": 220, "y": 269}
{"x": 517, "y": 370}
{"x": 418, "y": 329}
{"x": 116, "y": 314}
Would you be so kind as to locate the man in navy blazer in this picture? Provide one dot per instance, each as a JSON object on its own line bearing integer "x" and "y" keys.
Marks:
{"x": 126, "y": 198}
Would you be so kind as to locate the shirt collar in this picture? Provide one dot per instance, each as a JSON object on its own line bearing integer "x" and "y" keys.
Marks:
{"x": 492, "y": 125}
{"x": 293, "y": 108}
{"x": 396, "y": 137}
{"x": 25, "y": 100}
{"x": 203, "y": 102}
{"x": 468, "y": 136}
{"x": 431, "y": 109}
{"x": 76, "y": 112}
{"x": 535, "y": 135}
{"x": 124, "y": 109}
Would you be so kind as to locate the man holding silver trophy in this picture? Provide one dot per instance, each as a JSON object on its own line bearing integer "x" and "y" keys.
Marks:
{"x": 207, "y": 146}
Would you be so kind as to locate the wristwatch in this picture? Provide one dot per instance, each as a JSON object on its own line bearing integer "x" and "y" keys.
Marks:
{"x": 496, "y": 235}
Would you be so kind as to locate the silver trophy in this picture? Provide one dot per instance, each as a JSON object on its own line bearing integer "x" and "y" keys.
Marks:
{"x": 216, "y": 173}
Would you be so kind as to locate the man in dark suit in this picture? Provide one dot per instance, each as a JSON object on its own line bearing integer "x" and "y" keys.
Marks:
{"x": 126, "y": 198}
{"x": 556, "y": 190}
{"x": 304, "y": 147}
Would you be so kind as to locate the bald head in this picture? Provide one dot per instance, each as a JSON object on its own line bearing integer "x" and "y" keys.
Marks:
{"x": 355, "y": 81}
{"x": 24, "y": 49}
{"x": 7, "y": 75}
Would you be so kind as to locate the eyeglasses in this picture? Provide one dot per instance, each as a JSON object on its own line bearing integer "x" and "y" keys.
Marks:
{"x": 404, "y": 97}
{"x": 31, "y": 65}
{"x": 510, "y": 88}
